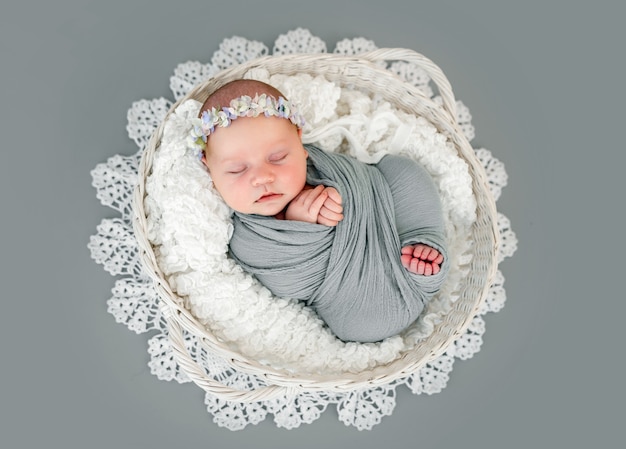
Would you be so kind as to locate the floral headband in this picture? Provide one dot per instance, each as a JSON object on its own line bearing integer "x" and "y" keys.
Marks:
{"x": 244, "y": 106}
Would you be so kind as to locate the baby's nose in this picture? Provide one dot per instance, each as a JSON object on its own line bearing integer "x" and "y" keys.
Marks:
{"x": 263, "y": 177}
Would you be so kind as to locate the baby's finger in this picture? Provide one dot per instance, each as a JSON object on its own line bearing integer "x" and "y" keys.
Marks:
{"x": 316, "y": 205}
{"x": 439, "y": 259}
{"x": 330, "y": 214}
{"x": 309, "y": 196}
{"x": 332, "y": 205}
{"x": 333, "y": 194}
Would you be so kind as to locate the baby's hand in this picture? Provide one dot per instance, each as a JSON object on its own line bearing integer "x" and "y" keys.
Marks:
{"x": 421, "y": 259}
{"x": 316, "y": 205}
{"x": 331, "y": 212}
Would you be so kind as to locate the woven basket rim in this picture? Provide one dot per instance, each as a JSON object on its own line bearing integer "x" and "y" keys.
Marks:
{"x": 365, "y": 70}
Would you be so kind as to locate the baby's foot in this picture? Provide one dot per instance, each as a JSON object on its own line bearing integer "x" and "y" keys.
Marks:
{"x": 421, "y": 259}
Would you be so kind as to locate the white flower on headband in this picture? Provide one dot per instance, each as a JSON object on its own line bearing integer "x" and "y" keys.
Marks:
{"x": 244, "y": 106}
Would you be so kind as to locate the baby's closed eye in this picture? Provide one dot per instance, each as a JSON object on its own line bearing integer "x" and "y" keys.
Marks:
{"x": 236, "y": 170}
{"x": 277, "y": 157}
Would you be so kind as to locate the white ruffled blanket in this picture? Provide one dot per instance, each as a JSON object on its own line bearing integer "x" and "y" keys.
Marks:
{"x": 190, "y": 227}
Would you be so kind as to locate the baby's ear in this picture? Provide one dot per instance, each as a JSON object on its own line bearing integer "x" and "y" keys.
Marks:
{"x": 300, "y": 133}
{"x": 203, "y": 159}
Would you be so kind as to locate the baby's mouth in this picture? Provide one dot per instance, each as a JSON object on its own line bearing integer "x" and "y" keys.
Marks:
{"x": 269, "y": 196}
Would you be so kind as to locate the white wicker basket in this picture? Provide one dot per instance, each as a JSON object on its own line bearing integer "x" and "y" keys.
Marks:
{"x": 364, "y": 71}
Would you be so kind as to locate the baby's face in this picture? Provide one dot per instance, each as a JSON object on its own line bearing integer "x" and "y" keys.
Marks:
{"x": 257, "y": 164}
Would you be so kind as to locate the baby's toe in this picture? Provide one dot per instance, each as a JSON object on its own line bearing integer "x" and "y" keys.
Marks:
{"x": 407, "y": 250}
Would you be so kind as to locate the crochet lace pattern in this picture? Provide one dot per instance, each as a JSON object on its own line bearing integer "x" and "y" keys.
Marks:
{"x": 134, "y": 301}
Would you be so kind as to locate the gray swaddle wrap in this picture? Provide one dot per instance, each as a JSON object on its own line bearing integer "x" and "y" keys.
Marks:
{"x": 351, "y": 274}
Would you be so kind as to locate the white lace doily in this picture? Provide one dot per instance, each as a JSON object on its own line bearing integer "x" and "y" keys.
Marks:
{"x": 135, "y": 301}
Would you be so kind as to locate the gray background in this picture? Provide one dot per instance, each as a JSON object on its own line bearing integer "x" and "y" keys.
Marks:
{"x": 545, "y": 84}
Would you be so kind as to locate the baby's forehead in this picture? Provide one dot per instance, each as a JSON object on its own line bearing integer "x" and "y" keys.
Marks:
{"x": 253, "y": 135}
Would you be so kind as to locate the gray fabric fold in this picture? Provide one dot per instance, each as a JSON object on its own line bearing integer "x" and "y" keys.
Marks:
{"x": 351, "y": 274}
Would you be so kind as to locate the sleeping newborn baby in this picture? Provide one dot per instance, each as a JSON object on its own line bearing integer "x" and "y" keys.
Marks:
{"x": 362, "y": 244}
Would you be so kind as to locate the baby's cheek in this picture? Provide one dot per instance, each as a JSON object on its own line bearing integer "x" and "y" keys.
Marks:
{"x": 227, "y": 192}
